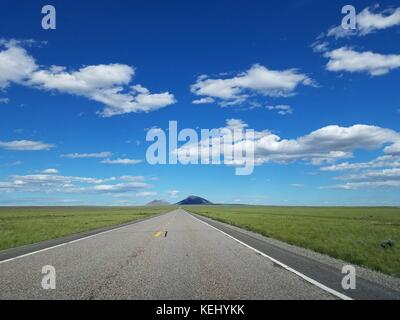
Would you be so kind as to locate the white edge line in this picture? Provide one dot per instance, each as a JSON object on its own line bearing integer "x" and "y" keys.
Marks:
{"x": 72, "y": 241}
{"x": 301, "y": 275}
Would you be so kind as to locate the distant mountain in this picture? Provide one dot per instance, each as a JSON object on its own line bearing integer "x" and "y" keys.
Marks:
{"x": 193, "y": 200}
{"x": 158, "y": 203}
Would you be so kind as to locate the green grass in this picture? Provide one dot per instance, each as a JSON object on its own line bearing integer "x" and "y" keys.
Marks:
{"x": 26, "y": 225}
{"x": 351, "y": 234}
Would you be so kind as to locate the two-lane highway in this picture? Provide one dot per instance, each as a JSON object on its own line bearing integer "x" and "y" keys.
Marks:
{"x": 171, "y": 256}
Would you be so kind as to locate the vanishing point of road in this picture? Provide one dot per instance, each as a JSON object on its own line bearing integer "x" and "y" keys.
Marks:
{"x": 176, "y": 255}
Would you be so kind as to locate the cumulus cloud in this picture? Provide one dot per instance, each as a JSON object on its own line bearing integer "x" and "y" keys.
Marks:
{"x": 52, "y": 182}
{"x": 347, "y": 59}
{"x": 283, "y": 110}
{"x": 258, "y": 80}
{"x": 50, "y": 178}
{"x": 120, "y": 187}
{"x": 375, "y": 64}
{"x": 320, "y": 46}
{"x": 107, "y": 84}
{"x": 206, "y": 100}
{"x": 235, "y": 124}
{"x": 365, "y": 185}
{"x": 393, "y": 149}
{"x": 87, "y": 155}
{"x": 382, "y": 172}
{"x": 132, "y": 178}
{"x": 389, "y": 178}
{"x": 16, "y": 65}
{"x": 374, "y": 175}
{"x": 25, "y": 145}
{"x": 325, "y": 145}
{"x": 368, "y": 22}
{"x": 50, "y": 171}
{"x": 45, "y": 183}
{"x": 121, "y": 161}
{"x": 380, "y": 162}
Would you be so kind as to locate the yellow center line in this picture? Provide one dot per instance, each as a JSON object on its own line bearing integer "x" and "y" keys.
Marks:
{"x": 157, "y": 234}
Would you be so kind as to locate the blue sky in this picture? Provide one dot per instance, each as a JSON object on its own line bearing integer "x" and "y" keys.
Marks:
{"x": 75, "y": 102}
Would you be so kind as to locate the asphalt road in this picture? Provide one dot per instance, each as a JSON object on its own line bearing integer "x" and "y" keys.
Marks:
{"x": 171, "y": 256}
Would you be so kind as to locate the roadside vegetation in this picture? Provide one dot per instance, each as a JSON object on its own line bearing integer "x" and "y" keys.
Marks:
{"x": 26, "y": 225}
{"x": 363, "y": 236}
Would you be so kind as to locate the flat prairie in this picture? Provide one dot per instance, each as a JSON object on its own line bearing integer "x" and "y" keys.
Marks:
{"x": 365, "y": 236}
{"x": 25, "y": 225}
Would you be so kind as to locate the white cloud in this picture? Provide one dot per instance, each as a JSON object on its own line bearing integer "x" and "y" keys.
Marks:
{"x": 297, "y": 185}
{"x": 121, "y": 161}
{"x": 380, "y": 162}
{"x": 365, "y": 185}
{"x": 55, "y": 183}
{"x": 374, "y": 175}
{"x": 120, "y": 187}
{"x": 4, "y": 100}
{"x": 320, "y": 46}
{"x": 106, "y": 84}
{"x": 283, "y": 110}
{"x": 206, "y": 100}
{"x": 25, "y": 145}
{"x": 236, "y": 124}
{"x": 50, "y": 171}
{"x": 51, "y": 178}
{"x": 87, "y": 155}
{"x": 325, "y": 145}
{"x": 16, "y": 65}
{"x": 393, "y": 149}
{"x": 346, "y": 59}
{"x": 370, "y": 179}
{"x": 132, "y": 178}
{"x": 369, "y": 22}
{"x": 46, "y": 183}
{"x": 257, "y": 80}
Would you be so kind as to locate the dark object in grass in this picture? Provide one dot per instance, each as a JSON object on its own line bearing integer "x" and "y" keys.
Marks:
{"x": 388, "y": 244}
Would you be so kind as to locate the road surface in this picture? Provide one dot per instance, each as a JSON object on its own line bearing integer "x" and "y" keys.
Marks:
{"x": 173, "y": 256}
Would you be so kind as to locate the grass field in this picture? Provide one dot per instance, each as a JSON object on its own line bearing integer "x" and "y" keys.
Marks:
{"x": 352, "y": 234}
{"x": 25, "y": 225}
